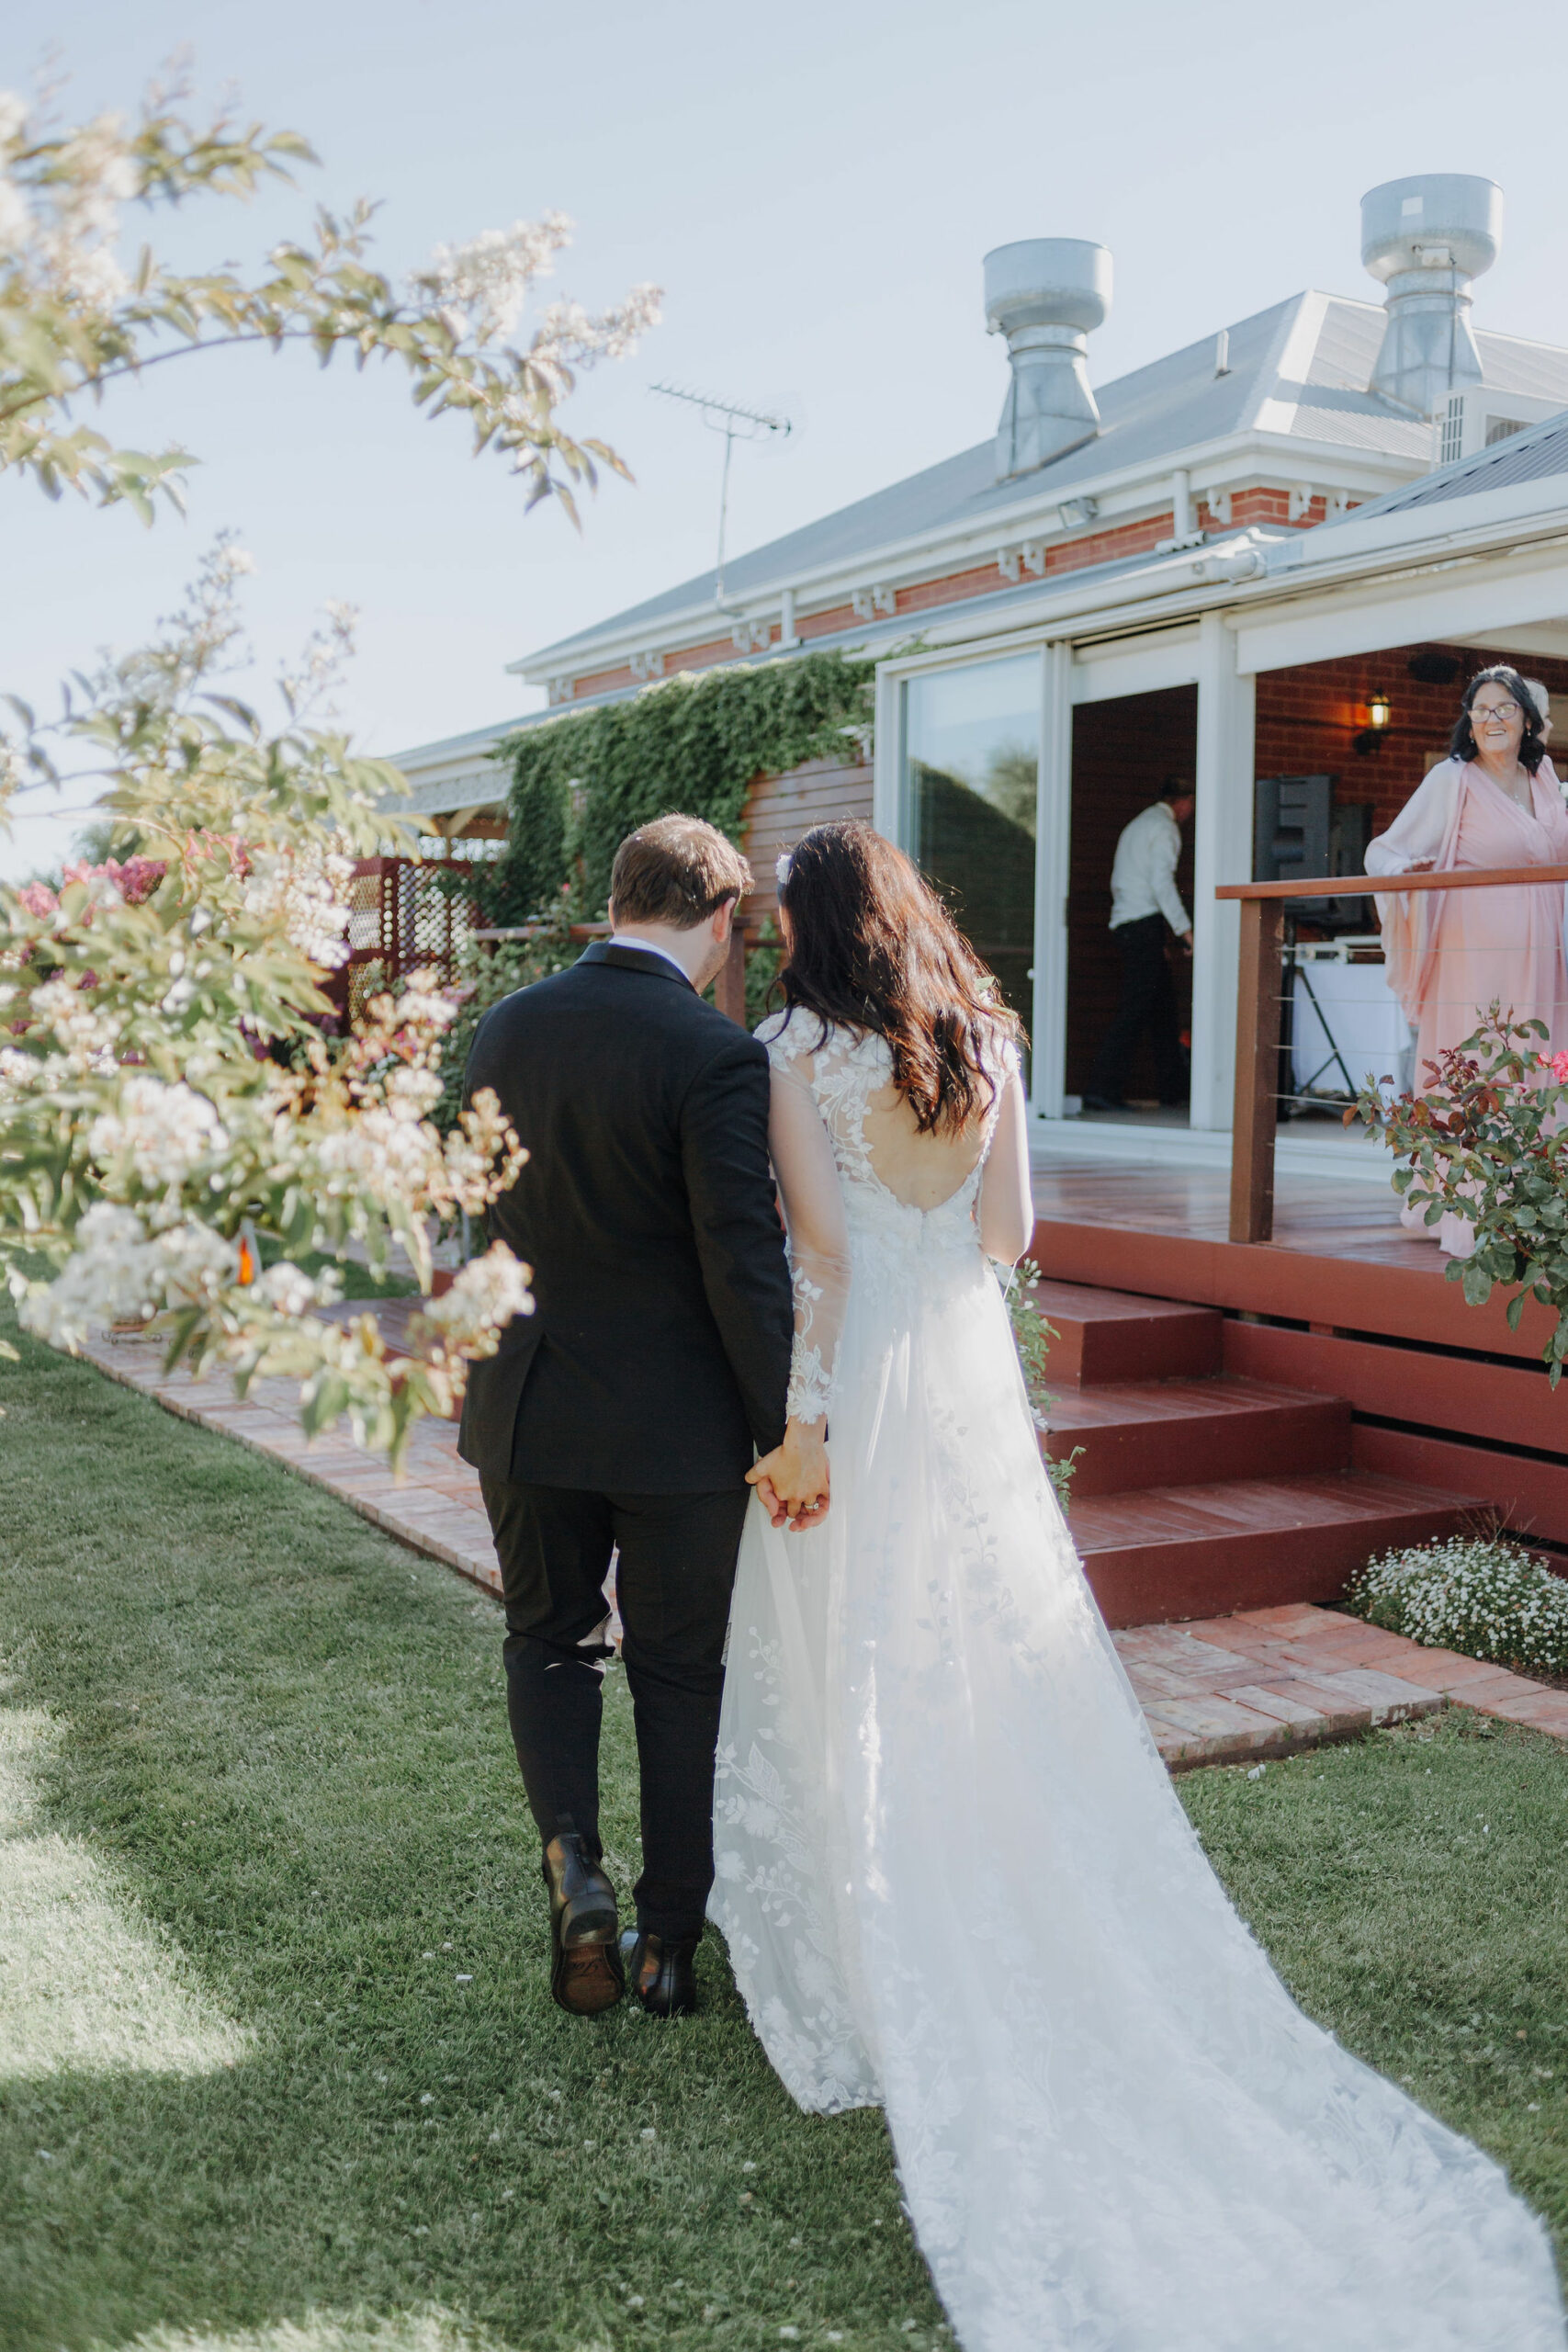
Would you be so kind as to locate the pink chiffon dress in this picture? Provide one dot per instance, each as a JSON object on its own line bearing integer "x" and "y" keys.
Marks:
{"x": 1451, "y": 954}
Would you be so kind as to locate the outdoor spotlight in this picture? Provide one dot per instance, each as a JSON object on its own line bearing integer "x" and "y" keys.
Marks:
{"x": 1377, "y": 712}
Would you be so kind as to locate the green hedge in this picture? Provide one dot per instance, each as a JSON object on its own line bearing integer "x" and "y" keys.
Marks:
{"x": 582, "y": 782}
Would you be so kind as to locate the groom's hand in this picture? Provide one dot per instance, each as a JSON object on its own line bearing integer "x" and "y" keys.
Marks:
{"x": 769, "y": 1499}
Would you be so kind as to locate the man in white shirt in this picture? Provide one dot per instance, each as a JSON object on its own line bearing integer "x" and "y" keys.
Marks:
{"x": 1144, "y": 903}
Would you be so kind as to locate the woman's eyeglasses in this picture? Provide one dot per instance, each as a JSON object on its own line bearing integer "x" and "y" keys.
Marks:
{"x": 1508, "y": 712}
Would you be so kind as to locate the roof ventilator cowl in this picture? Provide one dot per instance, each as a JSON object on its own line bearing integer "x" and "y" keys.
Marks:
{"x": 1425, "y": 239}
{"x": 1046, "y": 295}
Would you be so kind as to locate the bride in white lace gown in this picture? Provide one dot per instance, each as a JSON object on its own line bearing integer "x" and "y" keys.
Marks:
{"x": 953, "y": 1873}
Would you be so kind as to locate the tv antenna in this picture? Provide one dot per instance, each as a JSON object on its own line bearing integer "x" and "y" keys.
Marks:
{"x": 736, "y": 423}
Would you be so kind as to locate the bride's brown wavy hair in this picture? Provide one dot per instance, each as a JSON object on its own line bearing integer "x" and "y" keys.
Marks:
{"x": 873, "y": 948}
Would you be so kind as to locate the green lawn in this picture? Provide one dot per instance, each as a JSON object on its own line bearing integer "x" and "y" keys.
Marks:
{"x": 261, "y": 1820}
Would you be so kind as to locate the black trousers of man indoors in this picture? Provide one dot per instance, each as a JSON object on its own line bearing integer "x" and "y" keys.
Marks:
{"x": 1146, "y": 1007}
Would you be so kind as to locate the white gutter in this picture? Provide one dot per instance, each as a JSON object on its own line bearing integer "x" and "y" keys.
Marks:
{"x": 1330, "y": 462}
{"x": 1460, "y": 518}
{"x": 1133, "y": 599}
{"x": 1174, "y": 588}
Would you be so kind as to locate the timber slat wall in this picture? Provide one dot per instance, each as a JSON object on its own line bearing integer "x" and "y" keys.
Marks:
{"x": 1514, "y": 1404}
{"x": 781, "y": 808}
{"x": 1259, "y": 1278}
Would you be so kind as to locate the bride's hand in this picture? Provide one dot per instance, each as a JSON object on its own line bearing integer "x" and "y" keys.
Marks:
{"x": 791, "y": 1482}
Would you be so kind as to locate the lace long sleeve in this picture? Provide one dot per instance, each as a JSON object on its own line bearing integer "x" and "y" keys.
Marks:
{"x": 1007, "y": 1190}
{"x": 801, "y": 1154}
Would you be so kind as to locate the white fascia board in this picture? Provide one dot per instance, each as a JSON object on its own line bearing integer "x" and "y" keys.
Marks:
{"x": 1164, "y": 595}
{"x": 1273, "y": 612}
{"x": 1467, "y": 596}
{"x": 1491, "y": 511}
{"x": 427, "y": 762}
{"x": 439, "y": 787}
{"x": 1123, "y": 492}
{"x": 1293, "y": 457}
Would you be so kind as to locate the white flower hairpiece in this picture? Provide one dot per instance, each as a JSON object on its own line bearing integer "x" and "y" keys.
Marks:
{"x": 781, "y": 871}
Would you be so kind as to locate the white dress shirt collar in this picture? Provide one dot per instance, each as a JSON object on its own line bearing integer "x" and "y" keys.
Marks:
{"x": 646, "y": 947}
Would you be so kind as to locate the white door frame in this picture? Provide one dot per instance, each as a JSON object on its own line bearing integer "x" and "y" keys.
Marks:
{"x": 1100, "y": 669}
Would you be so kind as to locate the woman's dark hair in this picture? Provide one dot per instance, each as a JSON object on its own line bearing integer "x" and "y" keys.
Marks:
{"x": 875, "y": 949}
{"x": 1532, "y": 748}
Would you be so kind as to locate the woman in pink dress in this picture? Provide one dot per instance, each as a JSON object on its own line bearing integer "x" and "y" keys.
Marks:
{"x": 1495, "y": 801}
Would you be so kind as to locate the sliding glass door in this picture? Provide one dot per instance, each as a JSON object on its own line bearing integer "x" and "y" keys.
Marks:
{"x": 971, "y": 775}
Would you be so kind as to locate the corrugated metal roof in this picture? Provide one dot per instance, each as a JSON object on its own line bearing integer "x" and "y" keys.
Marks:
{"x": 1174, "y": 403}
{"x": 1531, "y": 456}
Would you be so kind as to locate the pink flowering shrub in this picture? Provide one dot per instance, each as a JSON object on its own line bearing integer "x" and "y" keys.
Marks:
{"x": 1488, "y": 1141}
{"x": 131, "y": 882}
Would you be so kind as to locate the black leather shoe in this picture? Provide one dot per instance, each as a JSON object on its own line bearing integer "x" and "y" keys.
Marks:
{"x": 586, "y": 1975}
{"x": 664, "y": 1976}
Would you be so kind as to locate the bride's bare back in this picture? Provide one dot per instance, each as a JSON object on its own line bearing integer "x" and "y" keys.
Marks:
{"x": 921, "y": 1171}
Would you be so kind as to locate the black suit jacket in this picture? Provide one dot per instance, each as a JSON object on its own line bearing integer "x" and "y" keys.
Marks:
{"x": 657, "y": 1353}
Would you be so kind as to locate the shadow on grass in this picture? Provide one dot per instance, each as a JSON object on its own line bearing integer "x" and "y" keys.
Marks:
{"x": 278, "y": 2071}
{"x": 277, "y": 2065}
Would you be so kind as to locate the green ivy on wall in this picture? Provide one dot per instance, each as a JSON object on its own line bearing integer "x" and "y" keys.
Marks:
{"x": 694, "y": 743}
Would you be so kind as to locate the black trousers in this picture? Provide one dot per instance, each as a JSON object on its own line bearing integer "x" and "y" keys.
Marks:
{"x": 673, "y": 1583}
{"x": 1147, "y": 1003}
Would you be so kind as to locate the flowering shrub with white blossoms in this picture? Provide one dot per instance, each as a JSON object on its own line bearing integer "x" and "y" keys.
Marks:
{"x": 1481, "y": 1595}
{"x": 76, "y": 316}
{"x": 178, "y": 1127}
{"x": 153, "y": 1147}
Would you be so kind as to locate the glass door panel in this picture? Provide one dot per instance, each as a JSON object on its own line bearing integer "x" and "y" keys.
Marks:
{"x": 972, "y": 769}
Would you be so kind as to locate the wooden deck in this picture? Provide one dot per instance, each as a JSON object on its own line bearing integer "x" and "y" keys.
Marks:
{"x": 1342, "y": 1303}
{"x": 1318, "y": 1215}
{"x": 1339, "y": 1260}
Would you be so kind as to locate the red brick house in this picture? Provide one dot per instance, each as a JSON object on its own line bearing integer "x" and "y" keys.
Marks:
{"x": 1115, "y": 591}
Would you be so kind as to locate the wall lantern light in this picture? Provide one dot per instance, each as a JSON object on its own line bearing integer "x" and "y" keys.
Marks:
{"x": 1370, "y": 737}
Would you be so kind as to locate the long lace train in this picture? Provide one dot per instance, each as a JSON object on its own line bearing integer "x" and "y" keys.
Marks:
{"x": 954, "y": 1878}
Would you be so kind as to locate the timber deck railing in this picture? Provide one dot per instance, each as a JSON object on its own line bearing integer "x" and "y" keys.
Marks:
{"x": 1259, "y": 1003}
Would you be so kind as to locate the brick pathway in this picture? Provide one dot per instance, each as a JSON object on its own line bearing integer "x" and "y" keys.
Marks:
{"x": 435, "y": 1507}
{"x": 1272, "y": 1678}
{"x": 1218, "y": 1691}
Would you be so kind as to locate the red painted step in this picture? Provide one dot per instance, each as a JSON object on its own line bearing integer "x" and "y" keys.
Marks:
{"x": 1108, "y": 1335}
{"x": 1199, "y": 1492}
{"x": 1167, "y": 1432}
{"x": 1204, "y": 1551}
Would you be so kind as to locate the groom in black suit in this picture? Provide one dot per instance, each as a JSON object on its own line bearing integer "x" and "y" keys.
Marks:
{"x": 625, "y": 1411}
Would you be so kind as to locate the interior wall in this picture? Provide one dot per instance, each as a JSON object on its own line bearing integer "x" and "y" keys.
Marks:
{"x": 1308, "y": 720}
{"x": 1122, "y": 753}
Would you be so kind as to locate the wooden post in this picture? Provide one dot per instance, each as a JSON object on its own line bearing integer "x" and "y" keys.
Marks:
{"x": 1257, "y": 1071}
{"x": 729, "y": 988}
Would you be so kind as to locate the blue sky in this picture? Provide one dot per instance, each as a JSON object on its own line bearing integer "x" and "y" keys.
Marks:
{"x": 814, "y": 188}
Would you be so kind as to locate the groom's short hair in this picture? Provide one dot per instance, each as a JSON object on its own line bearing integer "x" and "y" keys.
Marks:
{"x": 678, "y": 870}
